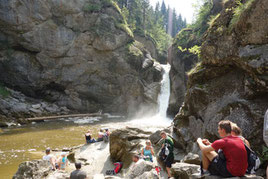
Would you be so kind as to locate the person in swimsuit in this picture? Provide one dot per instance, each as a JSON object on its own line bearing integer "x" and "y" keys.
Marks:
{"x": 147, "y": 152}
{"x": 62, "y": 161}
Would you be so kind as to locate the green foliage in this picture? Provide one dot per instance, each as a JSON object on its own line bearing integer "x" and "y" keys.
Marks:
{"x": 125, "y": 28}
{"x": 241, "y": 7}
{"x": 264, "y": 155}
{"x": 212, "y": 19}
{"x": 184, "y": 37}
{"x": 195, "y": 50}
{"x": 182, "y": 49}
{"x": 202, "y": 18}
{"x": 195, "y": 69}
{"x": 134, "y": 49}
{"x": 4, "y": 92}
{"x": 92, "y": 7}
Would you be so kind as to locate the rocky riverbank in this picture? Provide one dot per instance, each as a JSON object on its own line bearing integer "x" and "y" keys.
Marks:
{"x": 98, "y": 157}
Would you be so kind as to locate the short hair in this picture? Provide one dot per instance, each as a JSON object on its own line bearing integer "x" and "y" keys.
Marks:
{"x": 48, "y": 150}
{"x": 237, "y": 130}
{"x": 226, "y": 125}
{"x": 163, "y": 132}
{"x": 78, "y": 165}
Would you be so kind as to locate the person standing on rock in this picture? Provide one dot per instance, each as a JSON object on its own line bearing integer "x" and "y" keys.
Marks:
{"x": 167, "y": 147}
{"x": 235, "y": 162}
{"x": 78, "y": 174}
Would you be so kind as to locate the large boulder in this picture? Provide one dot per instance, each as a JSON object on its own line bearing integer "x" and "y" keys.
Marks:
{"x": 138, "y": 169}
{"x": 231, "y": 81}
{"x": 191, "y": 159}
{"x": 78, "y": 53}
{"x": 33, "y": 169}
{"x": 126, "y": 142}
{"x": 184, "y": 170}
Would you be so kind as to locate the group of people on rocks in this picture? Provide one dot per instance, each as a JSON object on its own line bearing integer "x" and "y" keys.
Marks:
{"x": 166, "y": 154}
{"x": 103, "y": 135}
{"x": 59, "y": 163}
{"x": 226, "y": 157}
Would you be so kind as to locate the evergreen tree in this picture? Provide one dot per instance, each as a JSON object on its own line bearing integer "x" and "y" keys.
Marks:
{"x": 164, "y": 14}
{"x": 174, "y": 23}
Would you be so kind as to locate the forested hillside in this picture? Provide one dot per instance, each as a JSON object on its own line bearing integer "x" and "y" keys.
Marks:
{"x": 145, "y": 20}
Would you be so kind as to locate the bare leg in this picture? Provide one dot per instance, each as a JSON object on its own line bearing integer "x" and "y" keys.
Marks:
{"x": 207, "y": 158}
{"x": 168, "y": 171}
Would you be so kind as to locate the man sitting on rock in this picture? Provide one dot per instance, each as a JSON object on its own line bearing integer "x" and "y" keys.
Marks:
{"x": 78, "y": 174}
{"x": 167, "y": 148}
{"x": 235, "y": 163}
{"x": 51, "y": 158}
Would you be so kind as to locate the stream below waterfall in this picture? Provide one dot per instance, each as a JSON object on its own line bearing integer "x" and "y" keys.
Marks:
{"x": 29, "y": 142}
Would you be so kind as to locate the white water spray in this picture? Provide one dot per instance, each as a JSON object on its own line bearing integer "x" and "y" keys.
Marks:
{"x": 163, "y": 97}
{"x": 160, "y": 119}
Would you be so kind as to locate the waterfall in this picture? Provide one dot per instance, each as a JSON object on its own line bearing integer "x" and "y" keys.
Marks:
{"x": 160, "y": 119}
{"x": 163, "y": 97}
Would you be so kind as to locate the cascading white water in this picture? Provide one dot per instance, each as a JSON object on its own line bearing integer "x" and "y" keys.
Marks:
{"x": 163, "y": 97}
{"x": 160, "y": 119}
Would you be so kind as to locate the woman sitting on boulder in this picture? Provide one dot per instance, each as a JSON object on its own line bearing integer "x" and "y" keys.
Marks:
{"x": 89, "y": 138}
{"x": 147, "y": 152}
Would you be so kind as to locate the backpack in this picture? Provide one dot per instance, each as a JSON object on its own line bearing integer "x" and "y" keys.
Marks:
{"x": 117, "y": 169}
{"x": 253, "y": 161}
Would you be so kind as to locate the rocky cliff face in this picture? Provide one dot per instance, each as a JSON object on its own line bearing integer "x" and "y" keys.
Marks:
{"x": 231, "y": 82}
{"x": 182, "y": 59}
{"x": 181, "y": 62}
{"x": 77, "y": 53}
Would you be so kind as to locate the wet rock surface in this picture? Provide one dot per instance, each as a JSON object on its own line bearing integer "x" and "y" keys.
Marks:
{"x": 72, "y": 56}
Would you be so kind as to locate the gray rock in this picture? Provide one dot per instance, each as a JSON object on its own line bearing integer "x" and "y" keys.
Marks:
{"x": 184, "y": 170}
{"x": 149, "y": 175}
{"x": 191, "y": 159}
{"x": 33, "y": 169}
{"x": 126, "y": 142}
{"x": 75, "y": 58}
{"x": 231, "y": 82}
{"x": 37, "y": 111}
{"x": 138, "y": 169}
{"x": 36, "y": 106}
